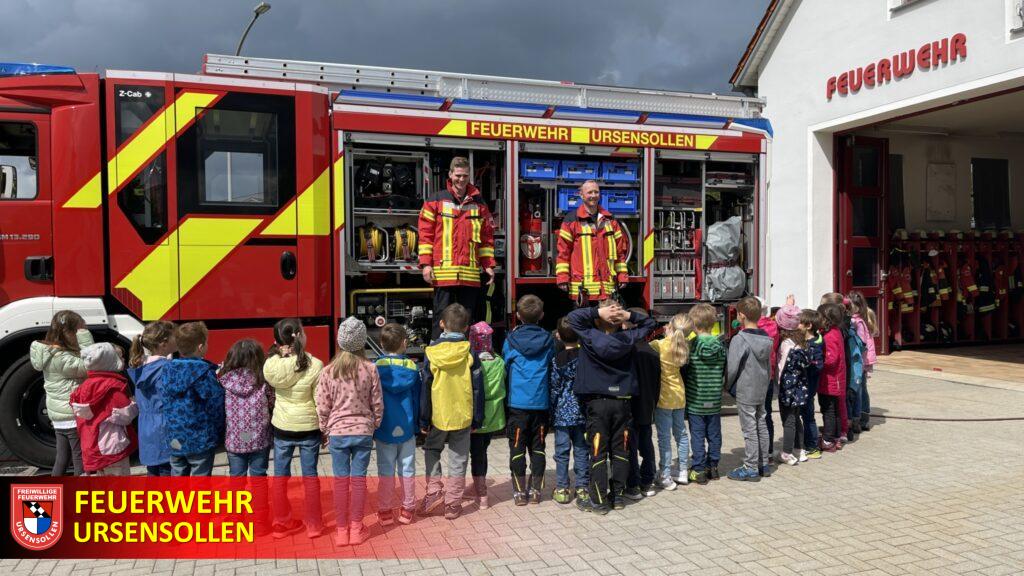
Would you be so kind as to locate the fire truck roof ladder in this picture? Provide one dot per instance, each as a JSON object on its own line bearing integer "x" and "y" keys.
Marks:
{"x": 478, "y": 89}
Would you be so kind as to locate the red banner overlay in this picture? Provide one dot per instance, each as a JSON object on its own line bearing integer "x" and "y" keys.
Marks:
{"x": 223, "y": 517}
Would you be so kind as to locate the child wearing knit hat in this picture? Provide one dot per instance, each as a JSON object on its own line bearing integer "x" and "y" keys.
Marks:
{"x": 793, "y": 363}
{"x": 494, "y": 407}
{"x": 104, "y": 411}
{"x": 350, "y": 406}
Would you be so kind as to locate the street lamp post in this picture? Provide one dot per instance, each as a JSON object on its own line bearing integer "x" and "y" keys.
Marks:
{"x": 260, "y": 9}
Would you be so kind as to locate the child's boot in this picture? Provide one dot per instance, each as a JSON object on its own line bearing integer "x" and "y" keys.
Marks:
{"x": 357, "y": 533}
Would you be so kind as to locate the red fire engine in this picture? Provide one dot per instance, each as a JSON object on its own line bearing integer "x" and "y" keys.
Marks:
{"x": 265, "y": 188}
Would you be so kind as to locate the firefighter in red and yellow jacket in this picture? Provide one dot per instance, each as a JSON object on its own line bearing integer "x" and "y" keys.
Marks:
{"x": 456, "y": 242}
{"x": 591, "y": 263}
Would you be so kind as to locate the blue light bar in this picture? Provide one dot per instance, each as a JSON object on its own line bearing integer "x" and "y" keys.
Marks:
{"x": 492, "y": 107}
{"x": 24, "y": 69}
{"x": 691, "y": 120}
{"x": 599, "y": 114}
{"x": 390, "y": 99}
{"x": 756, "y": 125}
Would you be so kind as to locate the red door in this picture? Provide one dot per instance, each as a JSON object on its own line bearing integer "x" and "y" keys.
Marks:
{"x": 26, "y": 237}
{"x": 863, "y": 169}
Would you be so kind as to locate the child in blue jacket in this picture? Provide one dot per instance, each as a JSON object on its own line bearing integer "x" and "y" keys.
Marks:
{"x": 150, "y": 353}
{"x": 193, "y": 404}
{"x": 396, "y": 436}
{"x": 528, "y": 352}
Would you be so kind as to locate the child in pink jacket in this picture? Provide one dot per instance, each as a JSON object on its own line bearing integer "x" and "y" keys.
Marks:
{"x": 832, "y": 382}
{"x": 864, "y": 320}
{"x": 350, "y": 406}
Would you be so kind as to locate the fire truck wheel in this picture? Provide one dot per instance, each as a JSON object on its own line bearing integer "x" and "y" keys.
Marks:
{"x": 25, "y": 429}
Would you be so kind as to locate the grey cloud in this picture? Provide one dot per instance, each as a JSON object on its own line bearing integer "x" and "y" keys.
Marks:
{"x": 672, "y": 44}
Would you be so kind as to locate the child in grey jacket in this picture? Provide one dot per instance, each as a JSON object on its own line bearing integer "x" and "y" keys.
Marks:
{"x": 748, "y": 375}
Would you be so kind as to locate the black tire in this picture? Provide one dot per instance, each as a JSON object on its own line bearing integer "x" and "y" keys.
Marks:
{"x": 25, "y": 427}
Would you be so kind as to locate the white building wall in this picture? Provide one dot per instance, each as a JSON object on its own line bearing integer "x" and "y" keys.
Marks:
{"x": 822, "y": 39}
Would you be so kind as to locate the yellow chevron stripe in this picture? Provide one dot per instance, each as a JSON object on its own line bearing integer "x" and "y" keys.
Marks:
{"x": 309, "y": 213}
{"x": 173, "y": 119}
{"x": 703, "y": 142}
{"x": 648, "y": 248}
{"x": 315, "y": 207}
{"x": 197, "y": 246}
{"x": 90, "y": 195}
{"x": 454, "y": 128}
{"x": 339, "y": 193}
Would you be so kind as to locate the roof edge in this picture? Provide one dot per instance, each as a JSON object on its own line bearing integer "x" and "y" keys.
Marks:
{"x": 756, "y": 41}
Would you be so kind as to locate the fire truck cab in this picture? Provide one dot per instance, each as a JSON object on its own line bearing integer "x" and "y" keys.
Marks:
{"x": 264, "y": 188}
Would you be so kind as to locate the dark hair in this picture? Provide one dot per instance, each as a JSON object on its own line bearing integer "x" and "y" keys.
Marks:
{"x": 63, "y": 328}
{"x": 152, "y": 336}
{"x": 530, "y": 309}
{"x": 455, "y": 318}
{"x": 832, "y": 316}
{"x": 285, "y": 332}
{"x": 811, "y": 318}
{"x": 392, "y": 336}
{"x": 750, "y": 307}
{"x": 246, "y": 354}
{"x": 565, "y": 332}
{"x": 190, "y": 336}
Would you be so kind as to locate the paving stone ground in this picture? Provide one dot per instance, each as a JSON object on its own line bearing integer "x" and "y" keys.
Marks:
{"x": 913, "y": 496}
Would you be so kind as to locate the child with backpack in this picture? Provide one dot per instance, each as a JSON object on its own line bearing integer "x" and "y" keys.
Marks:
{"x": 864, "y": 320}
{"x": 793, "y": 389}
{"x": 104, "y": 411}
{"x": 494, "y": 407}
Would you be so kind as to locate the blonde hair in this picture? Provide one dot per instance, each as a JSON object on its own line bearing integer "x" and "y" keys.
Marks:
{"x": 152, "y": 336}
{"x": 677, "y": 332}
{"x": 872, "y": 322}
{"x": 346, "y": 364}
{"x": 703, "y": 316}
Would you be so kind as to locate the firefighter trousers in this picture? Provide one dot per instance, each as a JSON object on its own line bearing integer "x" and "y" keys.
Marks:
{"x": 468, "y": 296}
{"x": 526, "y": 430}
{"x": 608, "y": 422}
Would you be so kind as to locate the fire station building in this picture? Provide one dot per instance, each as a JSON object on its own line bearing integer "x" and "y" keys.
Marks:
{"x": 898, "y": 159}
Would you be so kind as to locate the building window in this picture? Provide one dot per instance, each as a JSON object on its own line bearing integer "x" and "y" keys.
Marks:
{"x": 896, "y": 6}
{"x": 1015, "y": 16}
{"x": 239, "y": 157}
{"x": 19, "y": 164}
{"x": 990, "y": 193}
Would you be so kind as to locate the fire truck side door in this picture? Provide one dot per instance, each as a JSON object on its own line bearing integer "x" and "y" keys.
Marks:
{"x": 26, "y": 239}
{"x": 237, "y": 227}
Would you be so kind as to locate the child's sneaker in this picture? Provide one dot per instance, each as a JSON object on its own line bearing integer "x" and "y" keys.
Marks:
{"x": 520, "y": 498}
{"x": 648, "y": 490}
{"x": 341, "y": 537}
{"x": 534, "y": 496}
{"x": 667, "y": 483}
{"x": 787, "y": 458}
{"x": 315, "y": 533}
{"x": 803, "y": 456}
{"x": 431, "y": 502}
{"x": 386, "y": 517}
{"x": 713, "y": 473}
{"x": 699, "y": 476}
{"x": 635, "y": 494}
{"x": 405, "y": 516}
{"x": 357, "y": 533}
{"x": 827, "y": 446}
{"x": 682, "y": 478}
{"x": 619, "y": 501}
{"x": 290, "y": 527}
{"x": 583, "y": 500}
{"x": 813, "y": 454}
{"x": 562, "y": 495}
{"x": 483, "y": 502}
{"x": 452, "y": 511}
{"x": 744, "y": 474}
{"x": 599, "y": 509}
{"x": 765, "y": 471}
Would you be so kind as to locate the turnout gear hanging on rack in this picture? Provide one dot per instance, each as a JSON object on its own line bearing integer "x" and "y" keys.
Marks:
{"x": 986, "y": 301}
{"x": 592, "y": 252}
{"x": 456, "y": 237}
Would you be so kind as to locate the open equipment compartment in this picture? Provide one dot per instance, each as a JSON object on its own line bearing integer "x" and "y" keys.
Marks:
{"x": 389, "y": 179}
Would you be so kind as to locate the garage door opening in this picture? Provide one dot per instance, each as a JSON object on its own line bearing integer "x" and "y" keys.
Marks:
{"x": 931, "y": 223}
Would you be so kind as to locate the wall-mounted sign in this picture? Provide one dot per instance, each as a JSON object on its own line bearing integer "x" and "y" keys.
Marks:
{"x": 929, "y": 56}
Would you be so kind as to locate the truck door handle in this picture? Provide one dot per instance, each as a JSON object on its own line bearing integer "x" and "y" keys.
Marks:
{"x": 39, "y": 268}
{"x": 288, "y": 265}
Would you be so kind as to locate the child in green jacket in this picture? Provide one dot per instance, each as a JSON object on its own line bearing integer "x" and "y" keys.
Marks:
{"x": 494, "y": 407}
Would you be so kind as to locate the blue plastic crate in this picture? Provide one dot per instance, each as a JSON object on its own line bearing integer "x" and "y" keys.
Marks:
{"x": 580, "y": 170}
{"x": 568, "y": 199}
{"x": 538, "y": 168}
{"x": 621, "y": 201}
{"x": 620, "y": 171}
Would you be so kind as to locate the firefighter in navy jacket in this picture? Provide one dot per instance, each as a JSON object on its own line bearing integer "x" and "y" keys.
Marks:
{"x": 591, "y": 249}
{"x": 456, "y": 242}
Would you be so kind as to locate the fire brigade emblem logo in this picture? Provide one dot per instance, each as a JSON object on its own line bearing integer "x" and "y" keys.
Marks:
{"x": 37, "y": 519}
